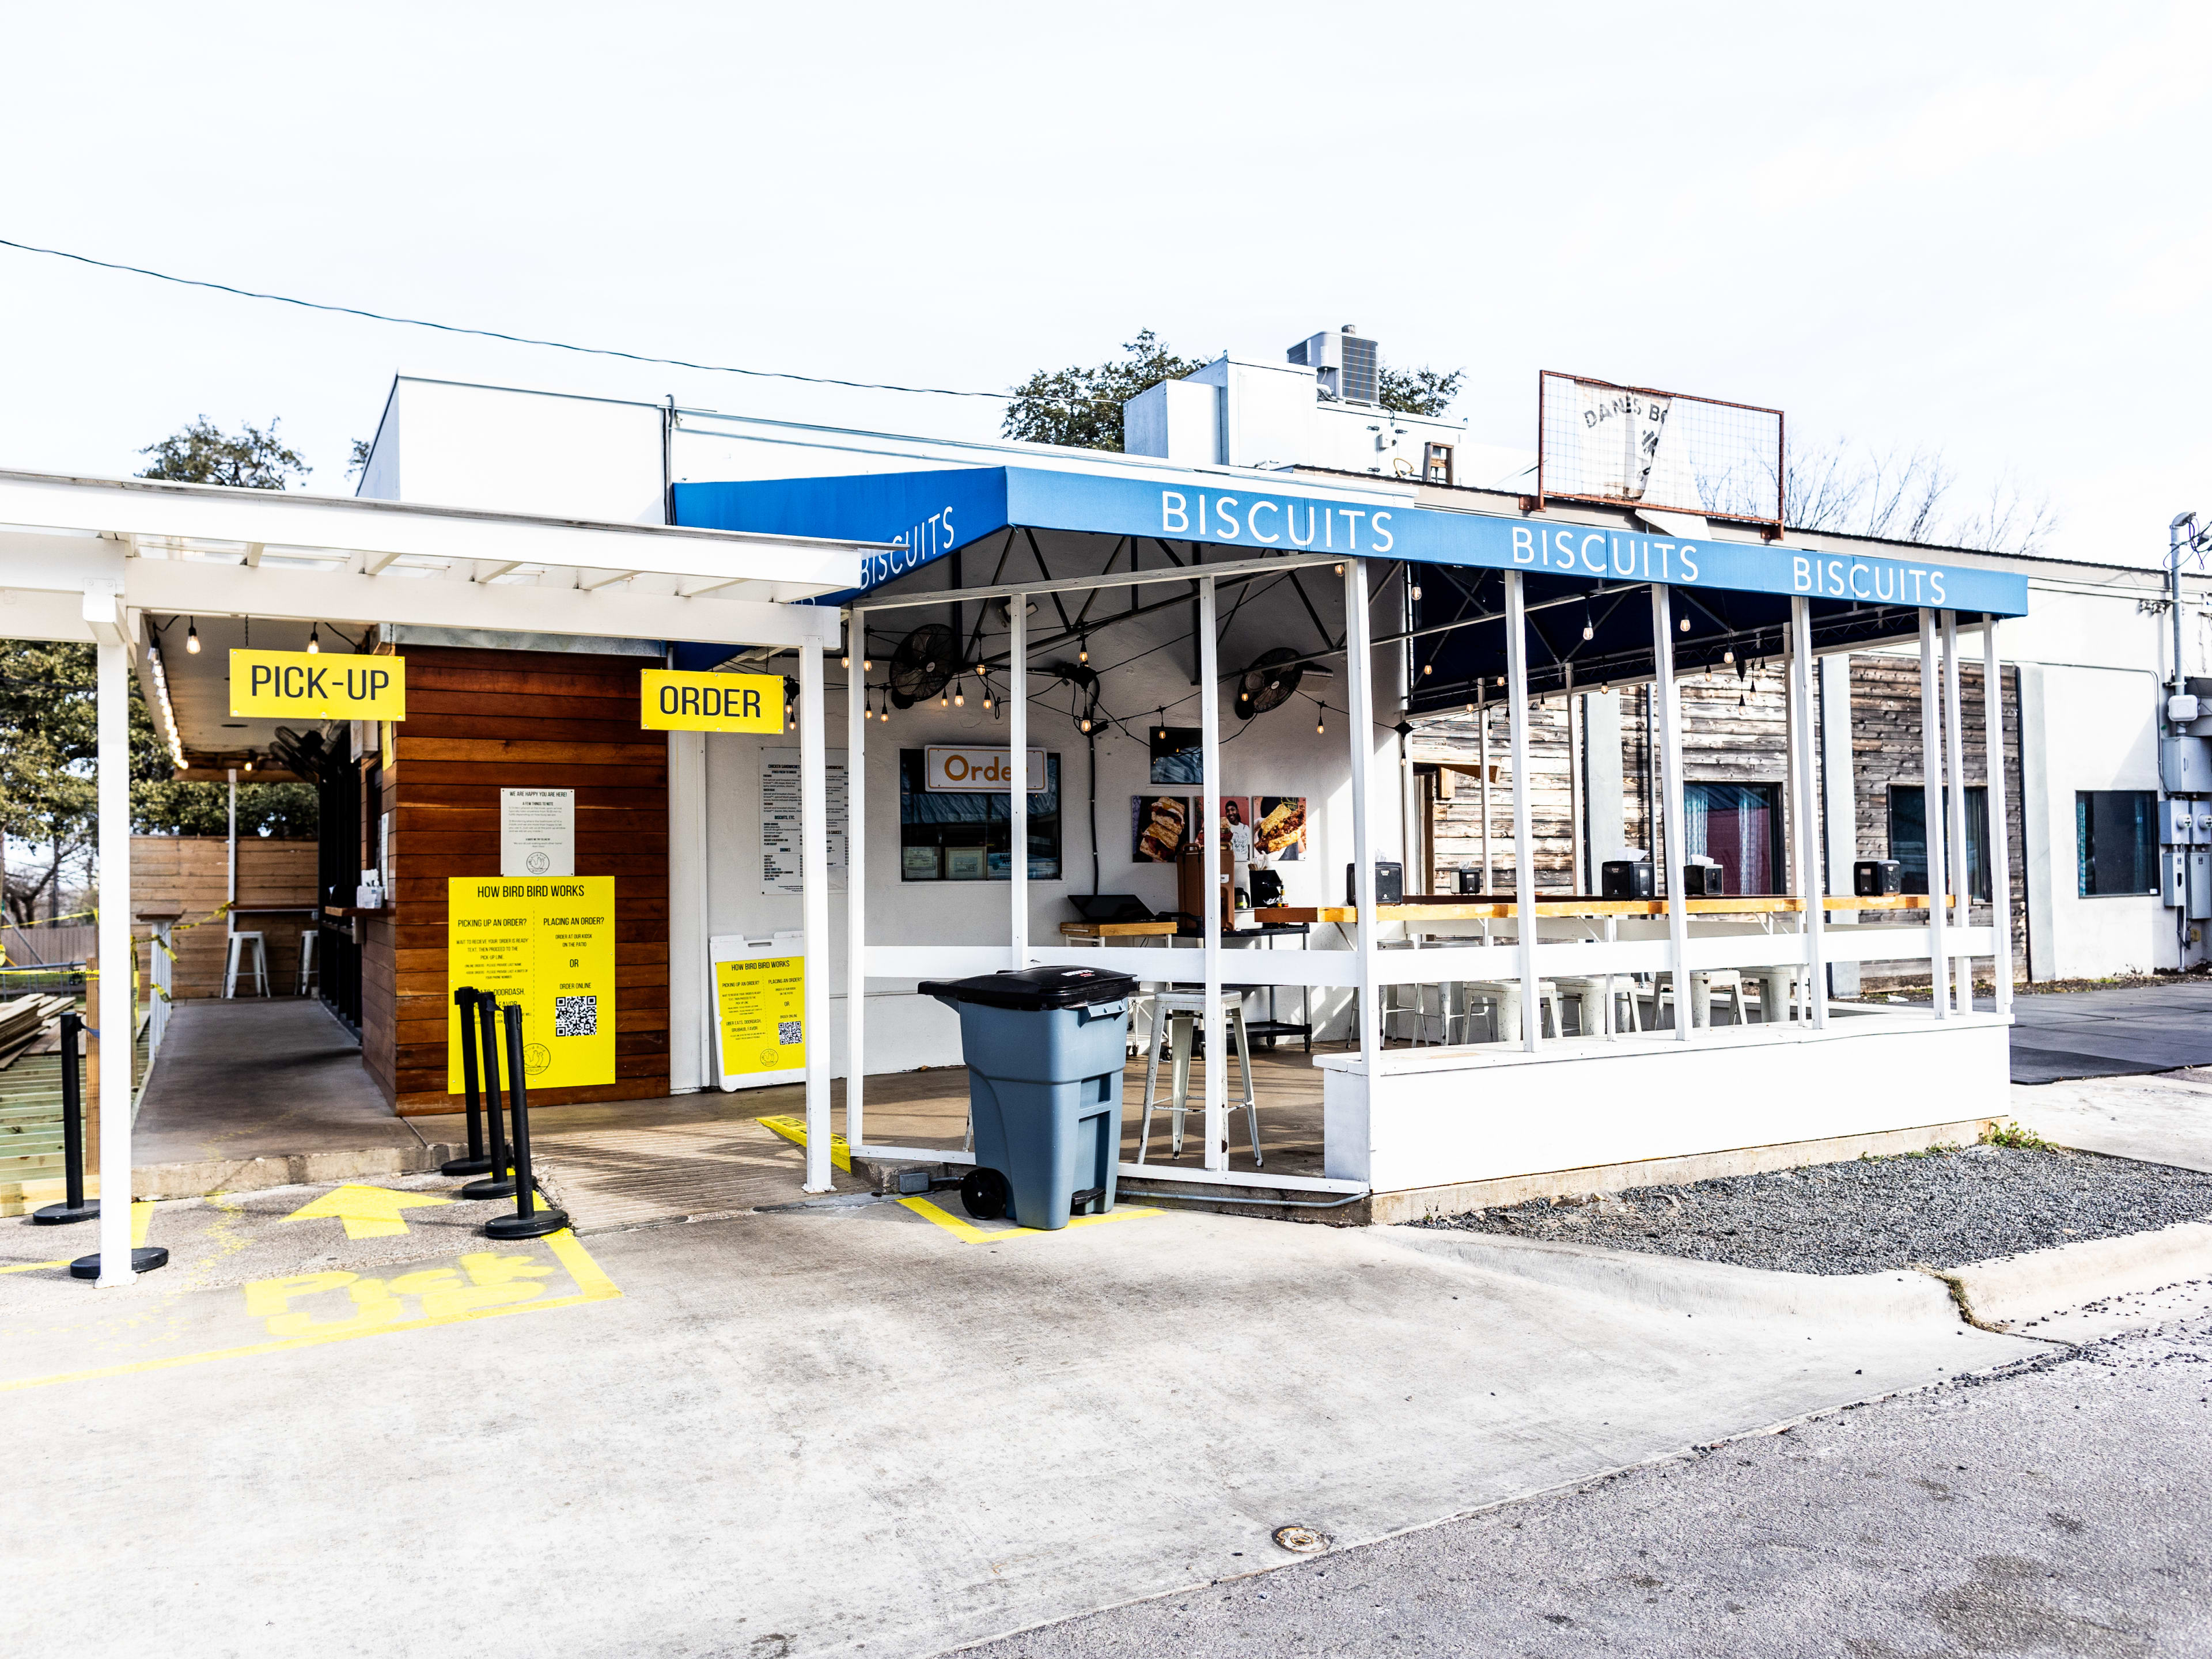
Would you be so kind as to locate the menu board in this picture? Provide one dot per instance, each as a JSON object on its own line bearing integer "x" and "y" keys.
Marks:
{"x": 780, "y": 819}
{"x": 550, "y": 947}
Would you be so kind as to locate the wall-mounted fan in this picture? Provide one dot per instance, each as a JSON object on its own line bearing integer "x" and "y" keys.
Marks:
{"x": 922, "y": 662}
{"x": 1273, "y": 680}
{"x": 303, "y": 754}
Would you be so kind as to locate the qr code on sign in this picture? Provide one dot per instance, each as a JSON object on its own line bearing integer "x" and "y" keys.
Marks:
{"x": 575, "y": 1016}
{"x": 787, "y": 1032}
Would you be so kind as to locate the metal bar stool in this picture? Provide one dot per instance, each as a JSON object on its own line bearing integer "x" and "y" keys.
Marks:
{"x": 256, "y": 967}
{"x": 1182, "y": 1011}
{"x": 308, "y": 980}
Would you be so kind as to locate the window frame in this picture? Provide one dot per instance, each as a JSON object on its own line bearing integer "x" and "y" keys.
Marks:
{"x": 1981, "y": 882}
{"x": 996, "y": 824}
{"x": 2146, "y": 844}
{"x": 1776, "y": 862}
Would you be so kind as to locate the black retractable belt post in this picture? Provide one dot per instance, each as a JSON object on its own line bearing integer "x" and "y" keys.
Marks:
{"x": 500, "y": 1184}
{"x": 476, "y": 1163}
{"x": 527, "y": 1221}
{"x": 75, "y": 1208}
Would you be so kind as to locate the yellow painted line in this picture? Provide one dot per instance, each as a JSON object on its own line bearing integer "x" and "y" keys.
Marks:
{"x": 33, "y": 1267}
{"x": 795, "y": 1128}
{"x": 969, "y": 1233}
{"x": 594, "y": 1286}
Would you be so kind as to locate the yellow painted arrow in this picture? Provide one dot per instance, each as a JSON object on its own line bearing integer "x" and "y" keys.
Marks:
{"x": 367, "y": 1212}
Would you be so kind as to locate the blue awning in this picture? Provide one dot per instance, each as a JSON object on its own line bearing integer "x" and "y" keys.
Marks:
{"x": 930, "y": 513}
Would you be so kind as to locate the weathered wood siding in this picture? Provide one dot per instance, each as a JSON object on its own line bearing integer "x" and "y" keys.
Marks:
{"x": 191, "y": 872}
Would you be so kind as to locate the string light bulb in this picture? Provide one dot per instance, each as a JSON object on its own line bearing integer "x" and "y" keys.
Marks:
{"x": 1417, "y": 593}
{"x": 868, "y": 665}
{"x": 959, "y": 698}
{"x": 1683, "y": 625}
{"x": 944, "y": 702}
{"x": 1083, "y": 651}
{"x": 192, "y": 637}
{"x": 1320, "y": 712}
{"x": 1428, "y": 668}
{"x": 1590, "y": 624}
{"x": 315, "y": 640}
{"x": 1087, "y": 723}
{"x": 845, "y": 661}
{"x": 987, "y": 696}
{"x": 1728, "y": 654}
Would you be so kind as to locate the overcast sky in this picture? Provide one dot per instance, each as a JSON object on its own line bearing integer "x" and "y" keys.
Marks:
{"x": 1976, "y": 228}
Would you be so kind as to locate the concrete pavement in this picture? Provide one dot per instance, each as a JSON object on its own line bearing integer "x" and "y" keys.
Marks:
{"x": 2065, "y": 1508}
{"x": 2165, "y": 1119}
{"x": 811, "y": 1430}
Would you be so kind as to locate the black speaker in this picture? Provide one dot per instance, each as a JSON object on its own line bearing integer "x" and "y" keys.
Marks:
{"x": 1627, "y": 879}
{"x": 1877, "y": 877}
{"x": 1703, "y": 881}
{"x": 1470, "y": 881}
{"x": 1389, "y": 883}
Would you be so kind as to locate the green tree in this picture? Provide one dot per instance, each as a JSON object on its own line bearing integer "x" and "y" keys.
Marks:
{"x": 1419, "y": 390}
{"x": 200, "y": 453}
{"x": 1081, "y": 408}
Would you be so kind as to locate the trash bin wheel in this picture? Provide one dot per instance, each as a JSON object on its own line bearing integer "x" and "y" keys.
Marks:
{"x": 984, "y": 1194}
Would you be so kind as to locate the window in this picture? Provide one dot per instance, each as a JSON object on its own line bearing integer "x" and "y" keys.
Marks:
{"x": 1739, "y": 826}
{"x": 2114, "y": 842}
{"x": 1908, "y": 835}
{"x": 945, "y": 835}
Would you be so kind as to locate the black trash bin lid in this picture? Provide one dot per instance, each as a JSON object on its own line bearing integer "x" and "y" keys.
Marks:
{"x": 1036, "y": 988}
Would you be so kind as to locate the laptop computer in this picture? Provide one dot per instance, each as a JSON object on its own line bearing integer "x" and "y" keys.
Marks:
{"x": 1111, "y": 907}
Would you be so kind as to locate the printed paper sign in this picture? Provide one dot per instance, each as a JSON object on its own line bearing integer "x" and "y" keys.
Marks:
{"x": 670, "y": 700}
{"x": 550, "y": 947}
{"x": 307, "y": 685}
{"x": 538, "y": 832}
{"x": 760, "y": 1010}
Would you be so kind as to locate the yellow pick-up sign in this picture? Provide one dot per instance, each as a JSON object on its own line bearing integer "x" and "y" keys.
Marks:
{"x": 672, "y": 701}
{"x": 308, "y": 685}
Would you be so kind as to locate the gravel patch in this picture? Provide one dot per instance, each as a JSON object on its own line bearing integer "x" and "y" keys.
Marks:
{"x": 1943, "y": 1208}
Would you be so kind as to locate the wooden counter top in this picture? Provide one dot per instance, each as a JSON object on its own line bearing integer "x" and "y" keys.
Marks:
{"x": 1117, "y": 929}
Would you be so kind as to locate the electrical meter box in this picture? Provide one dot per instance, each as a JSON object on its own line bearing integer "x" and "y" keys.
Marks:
{"x": 2176, "y": 819}
{"x": 2173, "y": 876}
{"x": 2200, "y": 885}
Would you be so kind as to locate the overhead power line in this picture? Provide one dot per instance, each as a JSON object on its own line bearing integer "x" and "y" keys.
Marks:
{"x": 493, "y": 334}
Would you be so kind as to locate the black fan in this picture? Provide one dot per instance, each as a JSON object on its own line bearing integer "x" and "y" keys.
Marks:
{"x": 303, "y": 753}
{"x": 1270, "y": 681}
{"x": 922, "y": 663}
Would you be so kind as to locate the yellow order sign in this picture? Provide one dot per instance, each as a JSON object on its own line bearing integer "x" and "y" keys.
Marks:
{"x": 308, "y": 685}
{"x": 671, "y": 701}
{"x": 550, "y": 947}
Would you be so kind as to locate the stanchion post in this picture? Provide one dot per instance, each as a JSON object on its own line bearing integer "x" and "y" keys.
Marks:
{"x": 74, "y": 1209}
{"x": 476, "y": 1163}
{"x": 527, "y": 1221}
{"x": 500, "y": 1184}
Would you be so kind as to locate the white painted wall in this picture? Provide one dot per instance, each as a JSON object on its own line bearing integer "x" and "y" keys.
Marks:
{"x": 445, "y": 444}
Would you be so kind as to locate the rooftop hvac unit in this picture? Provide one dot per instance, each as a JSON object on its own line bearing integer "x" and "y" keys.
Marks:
{"x": 1347, "y": 365}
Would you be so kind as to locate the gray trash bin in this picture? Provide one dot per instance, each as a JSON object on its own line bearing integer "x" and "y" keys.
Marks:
{"x": 1045, "y": 1047}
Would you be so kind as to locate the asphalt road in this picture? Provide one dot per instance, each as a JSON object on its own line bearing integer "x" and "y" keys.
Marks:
{"x": 2064, "y": 1507}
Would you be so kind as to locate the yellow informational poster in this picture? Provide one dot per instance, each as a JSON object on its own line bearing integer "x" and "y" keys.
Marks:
{"x": 550, "y": 947}
{"x": 760, "y": 1009}
{"x": 309, "y": 685}
{"x": 670, "y": 700}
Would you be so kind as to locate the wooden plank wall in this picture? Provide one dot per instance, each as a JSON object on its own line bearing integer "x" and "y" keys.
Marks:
{"x": 1724, "y": 741}
{"x": 479, "y": 722}
{"x": 193, "y": 872}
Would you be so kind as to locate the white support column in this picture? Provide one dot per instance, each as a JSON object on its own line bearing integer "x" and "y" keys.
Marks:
{"x": 1954, "y": 814}
{"x": 1839, "y": 800}
{"x": 1671, "y": 813}
{"x": 1931, "y": 816}
{"x": 2000, "y": 839}
{"x": 1524, "y": 841}
{"x": 1811, "y": 888}
{"x": 1359, "y": 698}
{"x": 814, "y": 910}
{"x": 1209, "y": 729}
{"x": 115, "y": 1013}
{"x": 1018, "y": 765}
{"x": 1489, "y": 866}
{"x": 856, "y": 878}
{"x": 230, "y": 884}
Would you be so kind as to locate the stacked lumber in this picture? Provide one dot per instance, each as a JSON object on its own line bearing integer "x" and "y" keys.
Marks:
{"x": 24, "y": 1019}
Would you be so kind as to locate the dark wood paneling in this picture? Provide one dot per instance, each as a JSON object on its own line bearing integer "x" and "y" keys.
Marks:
{"x": 479, "y": 722}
